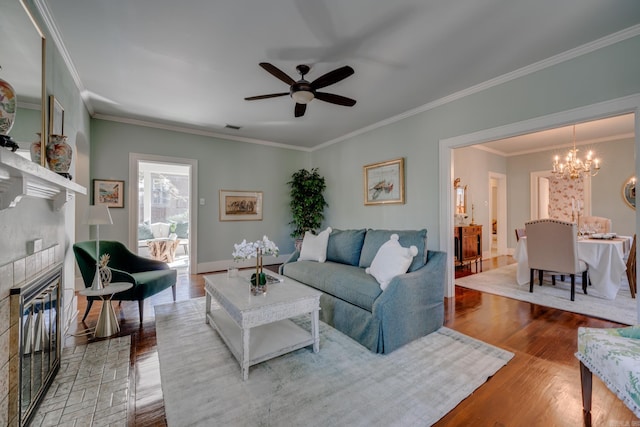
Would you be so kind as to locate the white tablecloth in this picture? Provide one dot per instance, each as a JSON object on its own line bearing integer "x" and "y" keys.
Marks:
{"x": 605, "y": 259}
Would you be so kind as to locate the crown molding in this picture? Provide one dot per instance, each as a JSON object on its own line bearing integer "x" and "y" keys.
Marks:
{"x": 192, "y": 131}
{"x": 524, "y": 71}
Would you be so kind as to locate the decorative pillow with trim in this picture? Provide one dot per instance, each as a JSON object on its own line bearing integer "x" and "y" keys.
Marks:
{"x": 314, "y": 248}
{"x": 391, "y": 260}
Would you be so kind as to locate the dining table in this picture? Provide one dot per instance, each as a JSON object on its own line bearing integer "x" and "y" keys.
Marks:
{"x": 604, "y": 257}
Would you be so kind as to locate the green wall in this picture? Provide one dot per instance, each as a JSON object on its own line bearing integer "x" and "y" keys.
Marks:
{"x": 222, "y": 165}
{"x": 605, "y": 74}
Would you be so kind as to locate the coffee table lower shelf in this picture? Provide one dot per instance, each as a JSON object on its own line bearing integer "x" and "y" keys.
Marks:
{"x": 265, "y": 341}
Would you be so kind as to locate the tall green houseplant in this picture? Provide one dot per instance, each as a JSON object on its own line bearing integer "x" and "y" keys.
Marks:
{"x": 307, "y": 201}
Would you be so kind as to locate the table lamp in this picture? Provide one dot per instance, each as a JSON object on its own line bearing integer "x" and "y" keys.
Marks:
{"x": 96, "y": 215}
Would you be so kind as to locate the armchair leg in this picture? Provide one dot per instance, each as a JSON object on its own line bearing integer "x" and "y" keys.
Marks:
{"x": 173, "y": 290}
{"x": 573, "y": 287}
{"x": 86, "y": 312}
{"x": 585, "y": 279}
{"x": 586, "y": 379}
{"x": 141, "y": 309}
{"x": 540, "y": 276}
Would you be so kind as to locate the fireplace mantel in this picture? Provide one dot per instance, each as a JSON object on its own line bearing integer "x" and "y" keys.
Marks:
{"x": 20, "y": 177}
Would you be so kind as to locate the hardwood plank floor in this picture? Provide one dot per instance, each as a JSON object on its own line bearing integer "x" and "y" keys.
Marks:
{"x": 539, "y": 387}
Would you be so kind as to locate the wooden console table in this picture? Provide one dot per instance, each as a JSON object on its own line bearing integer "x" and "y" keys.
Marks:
{"x": 468, "y": 244}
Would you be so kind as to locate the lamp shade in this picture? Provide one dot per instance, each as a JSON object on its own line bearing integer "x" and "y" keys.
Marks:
{"x": 98, "y": 214}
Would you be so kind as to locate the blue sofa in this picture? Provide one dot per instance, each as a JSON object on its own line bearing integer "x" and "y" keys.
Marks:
{"x": 352, "y": 301}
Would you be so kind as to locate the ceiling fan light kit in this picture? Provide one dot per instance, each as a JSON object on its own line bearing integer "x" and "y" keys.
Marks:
{"x": 303, "y": 91}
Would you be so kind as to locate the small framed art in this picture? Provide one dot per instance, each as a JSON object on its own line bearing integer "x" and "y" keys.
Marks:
{"x": 108, "y": 192}
{"x": 240, "y": 205}
{"x": 384, "y": 182}
{"x": 56, "y": 117}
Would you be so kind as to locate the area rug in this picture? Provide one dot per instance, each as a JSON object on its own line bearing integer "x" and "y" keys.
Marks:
{"x": 343, "y": 384}
{"x": 502, "y": 281}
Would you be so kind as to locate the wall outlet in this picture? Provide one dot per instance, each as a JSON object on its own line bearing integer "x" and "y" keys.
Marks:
{"x": 202, "y": 201}
{"x": 34, "y": 246}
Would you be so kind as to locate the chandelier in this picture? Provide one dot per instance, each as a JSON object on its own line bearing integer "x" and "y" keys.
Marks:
{"x": 573, "y": 166}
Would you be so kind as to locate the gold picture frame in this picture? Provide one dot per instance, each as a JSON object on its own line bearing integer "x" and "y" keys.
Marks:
{"x": 384, "y": 182}
{"x": 108, "y": 192}
{"x": 56, "y": 117}
{"x": 235, "y": 205}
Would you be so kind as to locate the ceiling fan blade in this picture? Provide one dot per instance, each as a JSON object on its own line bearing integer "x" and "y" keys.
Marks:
{"x": 300, "y": 109}
{"x": 335, "y": 99}
{"x": 271, "y": 95}
{"x": 277, "y": 73}
{"x": 332, "y": 77}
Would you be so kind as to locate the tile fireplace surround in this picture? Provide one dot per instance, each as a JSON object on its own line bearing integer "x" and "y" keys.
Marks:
{"x": 17, "y": 273}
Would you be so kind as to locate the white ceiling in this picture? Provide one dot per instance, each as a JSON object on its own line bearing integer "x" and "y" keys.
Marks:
{"x": 191, "y": 63}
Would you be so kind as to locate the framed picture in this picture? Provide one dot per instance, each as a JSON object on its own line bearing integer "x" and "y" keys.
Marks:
{"x": 108, "y": 192}
{"x": 240, "y": 205}
{"x": 384, "y": 182}
{"x": 56, "y": 117}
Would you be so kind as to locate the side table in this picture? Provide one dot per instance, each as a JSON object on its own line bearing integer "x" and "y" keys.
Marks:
{"x": 107, "y": 321}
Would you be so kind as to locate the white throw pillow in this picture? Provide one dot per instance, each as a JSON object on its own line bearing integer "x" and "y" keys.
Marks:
{"x": 314, "y": 248}
{"x": 391, "y": 261}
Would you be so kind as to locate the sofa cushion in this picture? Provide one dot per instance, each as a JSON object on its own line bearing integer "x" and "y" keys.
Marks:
{"x": 160, "y": 230}
{"x": 376, "y": 238}
{"x": 144, "y": 232}
{"x": 346, "y": 282}
{"x": 345, "y": 245}
{"x": 314, "y": 248}
{"x": 182, "y": 230}
{"x": 391, "y": 261}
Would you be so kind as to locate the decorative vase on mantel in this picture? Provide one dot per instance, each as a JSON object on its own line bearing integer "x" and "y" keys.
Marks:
{"x": 35, "y": 152}
{"x": 59, "y": 155}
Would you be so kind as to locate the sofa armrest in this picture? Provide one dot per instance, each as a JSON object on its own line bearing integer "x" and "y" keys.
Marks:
{"x": 413, "y": 303}
{"x": 292, "y": 258}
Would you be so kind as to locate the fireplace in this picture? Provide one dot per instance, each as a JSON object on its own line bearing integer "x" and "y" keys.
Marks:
{"x": 36, "y": 316}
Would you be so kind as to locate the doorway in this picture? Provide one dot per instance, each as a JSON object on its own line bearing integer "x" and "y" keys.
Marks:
{"x": 163, "y": 212}
{"x": 630, "y": 104}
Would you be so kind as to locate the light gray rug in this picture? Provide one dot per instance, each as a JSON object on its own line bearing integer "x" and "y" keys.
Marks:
{"x": 343, "y": 384}
{"x": 502, "y": 281}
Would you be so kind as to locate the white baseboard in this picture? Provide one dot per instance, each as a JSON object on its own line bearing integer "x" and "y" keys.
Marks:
{"x": 212, "y": 266}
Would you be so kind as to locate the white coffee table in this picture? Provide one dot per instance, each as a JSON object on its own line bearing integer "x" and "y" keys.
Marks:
{"x": 258, "y": 328}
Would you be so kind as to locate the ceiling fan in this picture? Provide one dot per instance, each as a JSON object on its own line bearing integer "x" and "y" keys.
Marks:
{"x": 303, "y": 92}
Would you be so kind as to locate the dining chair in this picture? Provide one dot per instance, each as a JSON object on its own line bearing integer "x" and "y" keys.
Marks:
{"x": 599, "y": 223}
{"x": 552, "y": 247}
{"x": 520, "y": 232}
{"x": 631, "y": 268}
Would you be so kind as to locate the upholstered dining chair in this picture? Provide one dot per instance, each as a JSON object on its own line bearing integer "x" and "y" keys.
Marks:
{"x": 552, "y": 247}
{"x": 520, "y": 232}
{"x": 631, "y": 268}
{"x": 613, "y": 354}
{"x": 601, "y": 224}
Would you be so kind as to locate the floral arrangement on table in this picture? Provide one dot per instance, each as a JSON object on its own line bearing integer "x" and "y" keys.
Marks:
{"x": 105, "y": 272}
{"x": 248, "y": 250}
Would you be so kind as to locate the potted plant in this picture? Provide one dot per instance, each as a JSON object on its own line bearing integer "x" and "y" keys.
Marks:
{"x": 307, "y": 201}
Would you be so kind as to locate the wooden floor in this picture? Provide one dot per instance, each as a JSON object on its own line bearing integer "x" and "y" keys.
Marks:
{"x": 539, "y": 387}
